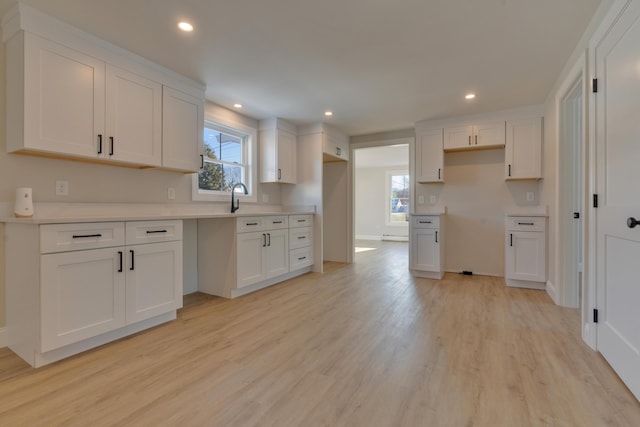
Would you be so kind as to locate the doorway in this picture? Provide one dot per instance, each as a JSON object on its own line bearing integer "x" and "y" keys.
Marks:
{"x": 382, "y": 197}
{"x": 571, "y": 197}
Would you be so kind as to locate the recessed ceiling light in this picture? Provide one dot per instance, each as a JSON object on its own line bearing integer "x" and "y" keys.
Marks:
{"x": 470, "y": 96}
{"x": 328, "y": 113}
{"x": 237, "y": 105}
{"x": 185, "y": 26}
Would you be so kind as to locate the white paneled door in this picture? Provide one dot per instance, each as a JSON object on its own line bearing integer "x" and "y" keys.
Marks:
{"x": 617, "y": 59}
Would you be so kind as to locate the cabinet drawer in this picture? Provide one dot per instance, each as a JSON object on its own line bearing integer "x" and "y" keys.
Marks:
{"x": 79, "y": 236}
{"x": 427, "y": 221}
{"x": 300, "y": 221}
{"x": 300, "y": 258}
{"x": 523, "y": 223}
{"x": 248, "y": 224}
{"x": 276, "y": 222}
{"x": 139, "y": 232}
{"x": 300, "y": 237}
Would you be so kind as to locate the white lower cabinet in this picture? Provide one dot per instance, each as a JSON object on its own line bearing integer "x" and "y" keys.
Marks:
{"x": 237, "y": 256}
{"x": 426, "y": 253}
{"x": 526, "y": 252}
{"x": 95, "y": 283}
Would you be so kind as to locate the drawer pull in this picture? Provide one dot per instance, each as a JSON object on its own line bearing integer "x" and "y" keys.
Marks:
{"x": 156, "y": 231}
{"x": 424, "y": 222}
{"x": 133, "y": 255}
{"x": 82, "y": 236}
{"x": 526, "y": 223}
{"x": 302, "y": 237}
{"x": 302, "y": 220}
{"x": 510, "y": 239}
{"x": 251, "y": 223}
{"x": 301, "y": 258}
{"x": 277, "y": 222}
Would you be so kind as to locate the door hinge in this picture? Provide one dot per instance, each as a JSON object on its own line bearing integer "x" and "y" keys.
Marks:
{"x": 576, "y": 215}
{"x": 594, "y": 85}
{"x": 595, "y": 315}
{"x": 595, "y": 200}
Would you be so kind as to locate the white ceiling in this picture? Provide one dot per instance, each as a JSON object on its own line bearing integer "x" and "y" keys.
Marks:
{"x": 378, "y": 64}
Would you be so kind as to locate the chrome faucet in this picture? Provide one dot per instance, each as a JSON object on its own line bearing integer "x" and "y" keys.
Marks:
{"x": 235, "y": 204}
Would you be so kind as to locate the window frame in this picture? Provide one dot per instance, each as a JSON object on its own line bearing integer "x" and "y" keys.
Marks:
{"x": 250, "y": 144}
{"x": 387, "y": 218}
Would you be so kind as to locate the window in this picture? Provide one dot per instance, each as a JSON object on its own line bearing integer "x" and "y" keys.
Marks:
{"x": 229, "y": 154}
{"x": 224, "y": 159}
{"x": 398, "y": 198}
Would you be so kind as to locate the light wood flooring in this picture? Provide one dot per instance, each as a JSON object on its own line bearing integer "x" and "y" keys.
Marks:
{"x": 360, "y": 345}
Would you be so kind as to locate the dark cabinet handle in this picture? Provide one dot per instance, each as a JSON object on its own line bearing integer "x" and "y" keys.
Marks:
{"x": 302, "y": 237}
{"x": 251, "y": 223}
{"x": 156, "y": 231}
{"x": 269, "y": 237}
{"x": 111, "y": 146}
{"x": 469, "y": 139}
{"x": 277, "y": 222}
{"x": 201, "y": 161}
{"x": 632, "y": 222}
{"x": 82, "y": 236}
{"x": 436, "y": 237}
{"x": 476, "y": 139}
{"x": 302, "y": 220}
{"x": 301, "y": 258}
{"x": 120, "y": 255}
{"x": 99, "y": 143}
{"x": 339, "y": 151}
{"x": 424, "y": 222}
{"x": 510, "y": 239}
{"x": 439, "y": 173}
{"x": 279, "y": 173}
{"x": 526, "y": 223}
{"x": 133, "y": 256}
{"x": 264, "y": 240}
{"x": 509, "y": 170}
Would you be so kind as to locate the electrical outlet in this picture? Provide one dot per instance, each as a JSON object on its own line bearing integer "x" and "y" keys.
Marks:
{"x": 421, "y": 200}
{"x": 171, "y": 193}
{"x": 432, "y": 200}
{"x": 531, "y": 196}
{"x": 62, "y": 188}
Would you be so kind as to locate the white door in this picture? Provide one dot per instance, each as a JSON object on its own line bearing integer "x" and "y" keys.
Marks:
{"x": 154, "y": 280}
{"x": 63, "y": 99}
{"x": 429, "y": 156}
{"x": 277, "y": 253}
{"x": 134, "y": 118}
{"x": 251, "y": 259}
{"x": 82, "y": 295}
{"x": 182, "y": 130}
{"x": 523, "y": 149}
{"x": 426, "y": 250}
{"x": 457, "y": 137}
{"x": 525, "y": 256}
{"x": 618, "y": 186}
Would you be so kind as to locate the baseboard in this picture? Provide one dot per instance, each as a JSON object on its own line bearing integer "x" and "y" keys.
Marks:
{"x": 553, "y": 292}
{"x": 368, "y": 237}
{"x": 4, "y": 339}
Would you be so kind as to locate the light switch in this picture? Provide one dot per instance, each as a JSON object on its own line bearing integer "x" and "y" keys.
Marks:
{"x": 421, "y": 200}
{"x": 433, "y": 200}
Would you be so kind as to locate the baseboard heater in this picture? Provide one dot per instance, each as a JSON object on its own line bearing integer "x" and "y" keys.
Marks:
{"x": 395, "y": 238}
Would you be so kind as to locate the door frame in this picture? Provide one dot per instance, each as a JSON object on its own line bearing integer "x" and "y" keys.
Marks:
{"x": 561, "y": 292}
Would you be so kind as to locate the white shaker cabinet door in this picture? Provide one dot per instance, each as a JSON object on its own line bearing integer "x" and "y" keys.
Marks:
{"x": 83, "y": 295}
{"x": 251, "y": 260}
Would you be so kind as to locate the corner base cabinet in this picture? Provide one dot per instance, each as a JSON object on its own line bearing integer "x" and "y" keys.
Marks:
{"x": 92, "y": 283}
{"x": 526, "y": 252}
{"x": 426, "y": 251}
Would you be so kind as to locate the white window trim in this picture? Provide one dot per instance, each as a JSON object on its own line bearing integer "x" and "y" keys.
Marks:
{"x": 251, "y": 170}
{"x": 387, "y": 209}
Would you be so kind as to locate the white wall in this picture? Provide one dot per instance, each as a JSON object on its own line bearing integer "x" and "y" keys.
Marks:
{"x": 371, "y": 203}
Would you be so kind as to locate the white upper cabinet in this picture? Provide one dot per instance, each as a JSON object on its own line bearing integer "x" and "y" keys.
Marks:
{"x": 335, "y": 146}
{"x": 72, "y": 95}
{"x": 483, "y": 135}
{"x": 133, "y": 118}
{"x": 429, "y": 155}
{"x": 182, "y": 130}
{"x": 55, "y": 98}
{"x": 278, "y": 154}
{"x": 523, "y": 152}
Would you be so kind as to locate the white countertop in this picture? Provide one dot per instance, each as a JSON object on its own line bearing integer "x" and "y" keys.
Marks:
{"x": 434, "y": 210}
{"x": 56, "y": 213}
